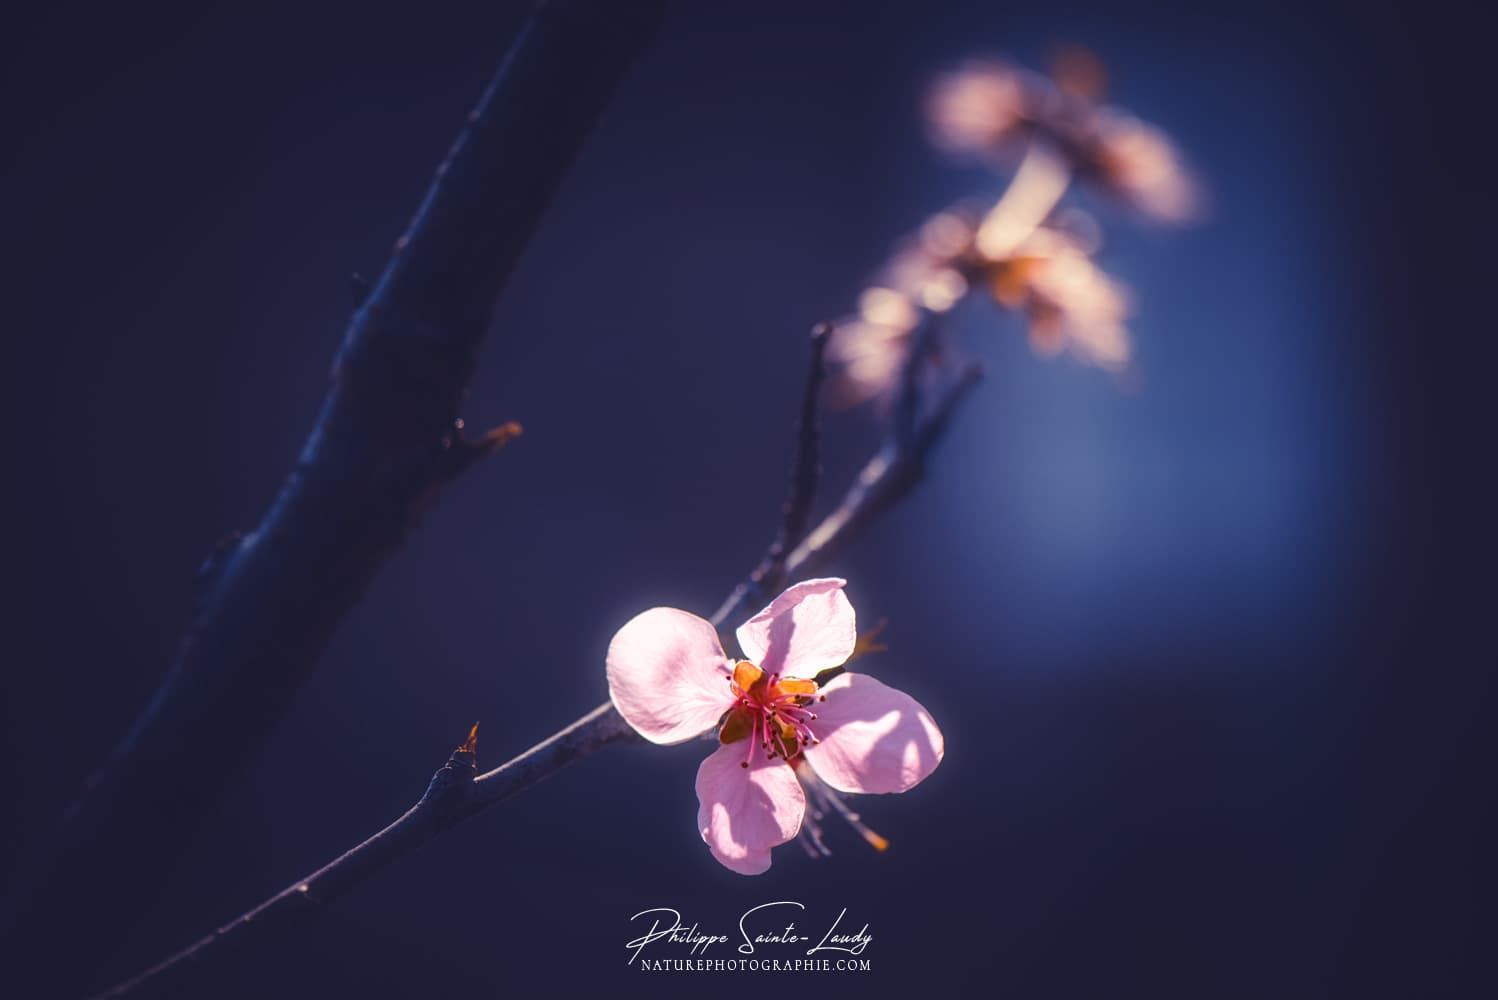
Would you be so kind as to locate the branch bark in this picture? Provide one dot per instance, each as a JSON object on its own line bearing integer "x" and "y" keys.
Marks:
{"x": 806, "y": 471}
{"x": 387, "y": 440}
{"x": 455, "y": 795}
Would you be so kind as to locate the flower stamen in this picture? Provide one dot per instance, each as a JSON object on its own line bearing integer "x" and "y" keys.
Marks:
{"x": 771, "y": 711}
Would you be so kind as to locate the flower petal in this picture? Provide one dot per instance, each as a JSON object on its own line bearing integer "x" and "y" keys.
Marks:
{"x": 743, "y": 812}
{"x": 668, "y": 675}
{"x": 874, "y": 738}
{"x": 807, "y": 629}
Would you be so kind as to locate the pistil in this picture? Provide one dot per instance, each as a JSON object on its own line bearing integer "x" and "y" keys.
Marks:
{"x": 770, "y": 711}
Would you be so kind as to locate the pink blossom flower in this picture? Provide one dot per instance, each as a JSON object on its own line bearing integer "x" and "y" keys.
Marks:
{"x": 670, "y": 679}
{"x": 991, "y": 109}
{"x": 1071, "y": 302}
{"x": 979, "y": 107}
{"x": 1142, "y": 165}
{"x": 924, "y": 277}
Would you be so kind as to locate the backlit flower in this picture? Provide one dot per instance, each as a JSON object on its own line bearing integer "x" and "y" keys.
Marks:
{"x": 870, "y": 348}
{"x": 670, "y": 679}
{"x": 990, "y": 109}
{"x": 925, "y": 277}
{"x": 1142, "y": 165}
{"x": 978, "y": 108}
{"x": 1070, "y": 301}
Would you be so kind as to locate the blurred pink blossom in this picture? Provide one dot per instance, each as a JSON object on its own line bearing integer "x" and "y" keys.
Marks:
{"x": 1143, "y": 167}
{"x": 989, "y": 108}
{"x": 928, "y": 275}
{"x": 978, "y": 108}
{"x": 1071, "y": 303}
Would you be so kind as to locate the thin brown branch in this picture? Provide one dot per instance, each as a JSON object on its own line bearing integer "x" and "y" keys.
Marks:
{"x": 906, "y": 415}
{"x": 455, "y": 795}
{"x": 806, "y": 466}
{"x": 378, "y": 456}
{"x": 806, "y": 471}
{"x": 887, "y": 478}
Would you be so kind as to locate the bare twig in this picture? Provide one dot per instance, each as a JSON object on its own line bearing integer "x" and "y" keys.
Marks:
{"x": 806, "y": 465}
{"x": 906, "y": 416}
{"x": 455, "y": 795}
{"x": 883, "y": 482}
{"x": 806, "y": 470}
{"x": 384, "y": 445}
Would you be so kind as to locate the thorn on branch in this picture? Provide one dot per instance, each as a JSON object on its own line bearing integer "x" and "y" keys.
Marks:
{"x": 496, "y": 438}
{"x": 454, "y": 777}
{"x": 462, "y": 451}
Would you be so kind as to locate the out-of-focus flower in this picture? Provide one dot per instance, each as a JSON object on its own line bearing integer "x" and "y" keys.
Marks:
{"x": 1045, "y": 271}
{"x": 1142, "y": 166}
{"x": 1079, "y": 73}
{"x": 978, "y": 108}
{"x": 670, "y": 680}
{"x": 988, "y": 108}
{"x": 1070, "y": 301}
{"x": 1038, "y": 184}
{"x": 926, "y": 276}
{"x": 870, "y": 347}
{"x": 1019, "y": 248}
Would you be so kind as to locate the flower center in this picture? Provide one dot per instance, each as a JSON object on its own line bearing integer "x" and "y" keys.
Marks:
{"x": 770, "y": 711}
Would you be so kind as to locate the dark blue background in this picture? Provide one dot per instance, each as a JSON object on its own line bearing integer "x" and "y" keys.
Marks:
{"x": 1198, "y": 650}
